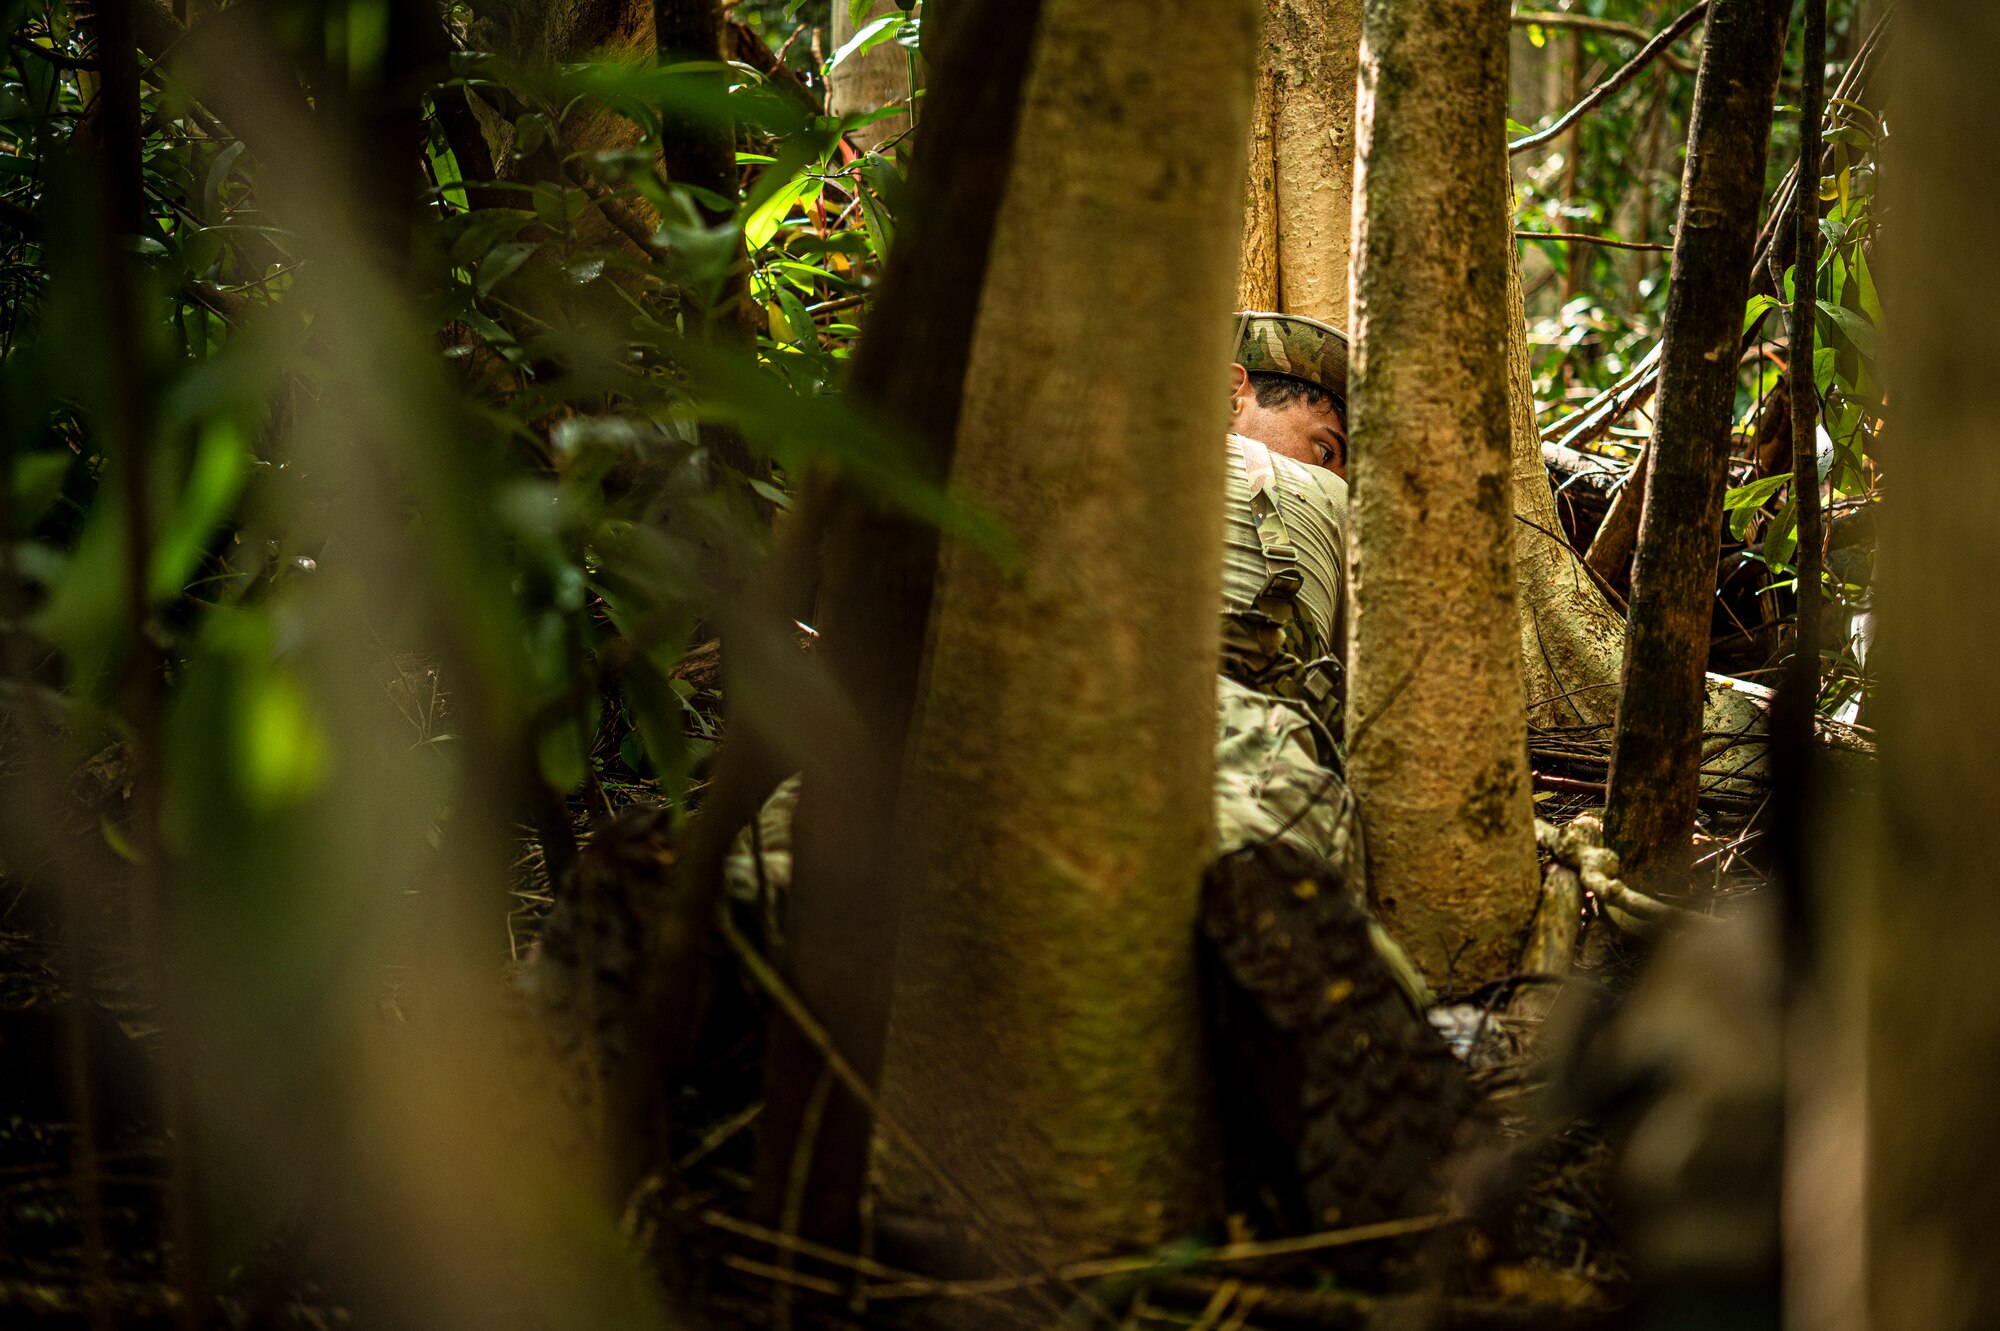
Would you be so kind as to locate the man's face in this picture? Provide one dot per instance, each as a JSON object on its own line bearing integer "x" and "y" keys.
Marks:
{"x": 1314, "y": 435}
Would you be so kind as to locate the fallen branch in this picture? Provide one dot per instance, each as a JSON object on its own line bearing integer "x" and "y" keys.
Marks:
{"x": 1579, "y": 238}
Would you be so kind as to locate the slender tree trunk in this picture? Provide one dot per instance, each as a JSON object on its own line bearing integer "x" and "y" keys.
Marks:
{"x": 1656, "y": 754}
{"x": 1804, "y": 388}
{"x": 695, "y": 150}
{"x": 1057, "y": 812}
{"x": 874, "y": 604}
{"x": 1299, "y": 183}
{"x": 1437, "y": 722}
{"x": 1933, "y": 1008}
{"x": 1611, "y": 549}
{"x": 1575, "y": 257}
{"x": 876, "y": 78}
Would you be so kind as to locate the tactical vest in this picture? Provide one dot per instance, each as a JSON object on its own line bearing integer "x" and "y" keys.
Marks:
{"x": 1283, "y": 626}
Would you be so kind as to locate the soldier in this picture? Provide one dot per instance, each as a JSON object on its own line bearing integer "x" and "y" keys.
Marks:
{"x": 1278, "y": 753}
{"x": 1283, "y": 621}
{"x": 1283, "y": 630}
{"x": 1289, "y": 390}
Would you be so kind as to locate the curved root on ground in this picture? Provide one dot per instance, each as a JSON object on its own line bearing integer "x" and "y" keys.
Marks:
{"x": 1580, "y": 847}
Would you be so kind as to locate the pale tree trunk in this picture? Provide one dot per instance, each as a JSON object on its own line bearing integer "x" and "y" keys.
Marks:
{"x": 1437, "y": 721}
{"x": 1933, "y": 1007}
{"x": 1057, "y": 800}
{"x": 1299, "y": 182}
{"x": 873, "y": 79}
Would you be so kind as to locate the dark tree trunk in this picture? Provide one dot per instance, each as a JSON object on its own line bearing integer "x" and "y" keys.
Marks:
{"x": 695, "y": 151}
{"x": 1805, "y": 395}
{"x": 1656, "y": 752}
{"x": 701, "y": 151}
{"x": 874, "y": 604}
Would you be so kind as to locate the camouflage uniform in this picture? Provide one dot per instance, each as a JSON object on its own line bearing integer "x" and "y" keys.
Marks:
{"x": 1284, "y": 628}
{"x": 1278, "y": 755}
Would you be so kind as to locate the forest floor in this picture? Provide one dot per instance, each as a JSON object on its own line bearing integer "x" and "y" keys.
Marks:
{"x": 1551, "y": 1253}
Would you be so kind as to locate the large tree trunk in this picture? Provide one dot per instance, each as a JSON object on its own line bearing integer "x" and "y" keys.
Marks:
{"x": 1299, "y": 182}
{"x": 1057, "y": 811}
{"x": 1933, "y": 1008}
{"x": 877, "y": 77}
{"x": 1437, "y": 721}
{"x": 873, "y": 606}
{"x": 1656, "y": 753}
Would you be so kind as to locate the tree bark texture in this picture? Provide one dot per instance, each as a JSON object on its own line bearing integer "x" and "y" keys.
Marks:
{"x": 877, "y": 77}
{"x": 1656, "y": 752}
{"x": 874, "y": 603}
{"x": 1570, "y": 636}
{"x": 1299, "y": 182}
{"x": 1933, "y": 1008}
{"x": 1610, "y": 553}
{"x": 1057, "y": 804}
{"x": 1437, "y": 723}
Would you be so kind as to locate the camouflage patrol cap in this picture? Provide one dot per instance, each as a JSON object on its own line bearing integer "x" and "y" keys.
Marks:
{"x": 1291, "y": 344}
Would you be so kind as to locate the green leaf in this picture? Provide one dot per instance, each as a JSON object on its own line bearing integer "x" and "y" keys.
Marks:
{"x": 1825, "y": 361}
{"x": 217, "y": 180}
{"x": 552, "y": 206}
{"x": 502, "y": 262}
{"x": 881, "y": 227}
{"x": 867, "y": 37}
{"x": 530, "y": 133}
{"x": 764, "y": 221}
{"x": 777, "y": 497}
{"x": 1516, "y": 127}
{"x": 38, "y": 479}
{"x": 559, "y": 753}
{"x": 656, "y": 713}
{"x": 1781, "y": 538}
{"x": 1864, "y": 281}
{"x": 285, "y": 750}
{"x": 475, "y": 235}
{"x": 1754, "y": 495}
{"x": 803, "y": 334}
{"x": 1758, "y": 307}
{"x": 1865, "y": 336}
{"x": 221, "y": 466}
